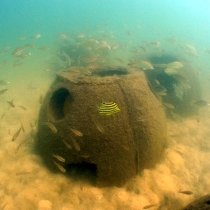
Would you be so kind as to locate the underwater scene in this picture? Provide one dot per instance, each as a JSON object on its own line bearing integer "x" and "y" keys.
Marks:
{"x": 104, "y": 105}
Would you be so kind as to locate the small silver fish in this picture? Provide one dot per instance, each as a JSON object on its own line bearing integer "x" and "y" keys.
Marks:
{"x": 68, "y": 145}
{"x": 85, "y": 156}
{"x": 3, "y": 82}
{"x": 51, "y": 126}
{"x": 22, "y": 107}
{"x": 37, "y": 36}
{"x": 157, "y": 82}
{"x": 169, "y": 106}
{"x": 149, "y": 206}
{"x": 11, "y": 103}
{"x": 145, "y": 65}
{"x": 162, "y": 93}
{"x": 100, "y": 128}
{"x": 32, "y": 125}
{"x": 3, "y": 115}
{"x": 186, "y": 192}
{"x": 22, "y": 127}
{"x": 16, "y": 134}
{"x": 19, "y": 52}
{"x": 59, "y": 158}
{"x": 201, "y": 103}
{"x": 75, "y": 144}
{"x": 125, "y": 147}
{"x": 3, "y": 91}
{"x": 60, "y": 167}
{"x": 76, "y": 132}
{"x": 41, "y": 99}
{"x": 22, "y": 173}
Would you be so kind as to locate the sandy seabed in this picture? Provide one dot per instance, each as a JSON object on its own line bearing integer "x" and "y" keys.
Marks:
{"x": 26, "y": 184}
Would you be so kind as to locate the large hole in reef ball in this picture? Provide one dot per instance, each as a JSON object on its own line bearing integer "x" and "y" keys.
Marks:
{"x": 57, "y": 103}
{"x": 83, "y": 171}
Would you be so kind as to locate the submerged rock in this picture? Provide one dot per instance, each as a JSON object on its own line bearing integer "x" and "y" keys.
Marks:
{"x": 202, "y": 203}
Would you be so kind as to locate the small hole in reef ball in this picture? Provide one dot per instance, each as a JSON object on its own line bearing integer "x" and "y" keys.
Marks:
{"x": 208, "y": 202}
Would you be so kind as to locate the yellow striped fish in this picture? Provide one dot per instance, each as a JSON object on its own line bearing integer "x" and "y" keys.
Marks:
{"x": 108, "y": 108}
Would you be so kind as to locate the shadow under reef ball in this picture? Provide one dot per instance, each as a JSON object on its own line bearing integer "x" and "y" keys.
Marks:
{"x": 109, "y": 121}
{"x": 202, "y": 203}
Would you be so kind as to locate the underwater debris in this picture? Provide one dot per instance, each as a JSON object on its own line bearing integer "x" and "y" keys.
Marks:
{"x": 59, "y": 158}
{"x": 3, "y": 91}
{"x": 108, "y": 108}
{"x": 51, "y": 126}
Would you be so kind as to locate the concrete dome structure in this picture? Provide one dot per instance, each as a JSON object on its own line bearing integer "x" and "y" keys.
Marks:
{"x": 71, "y": 130}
